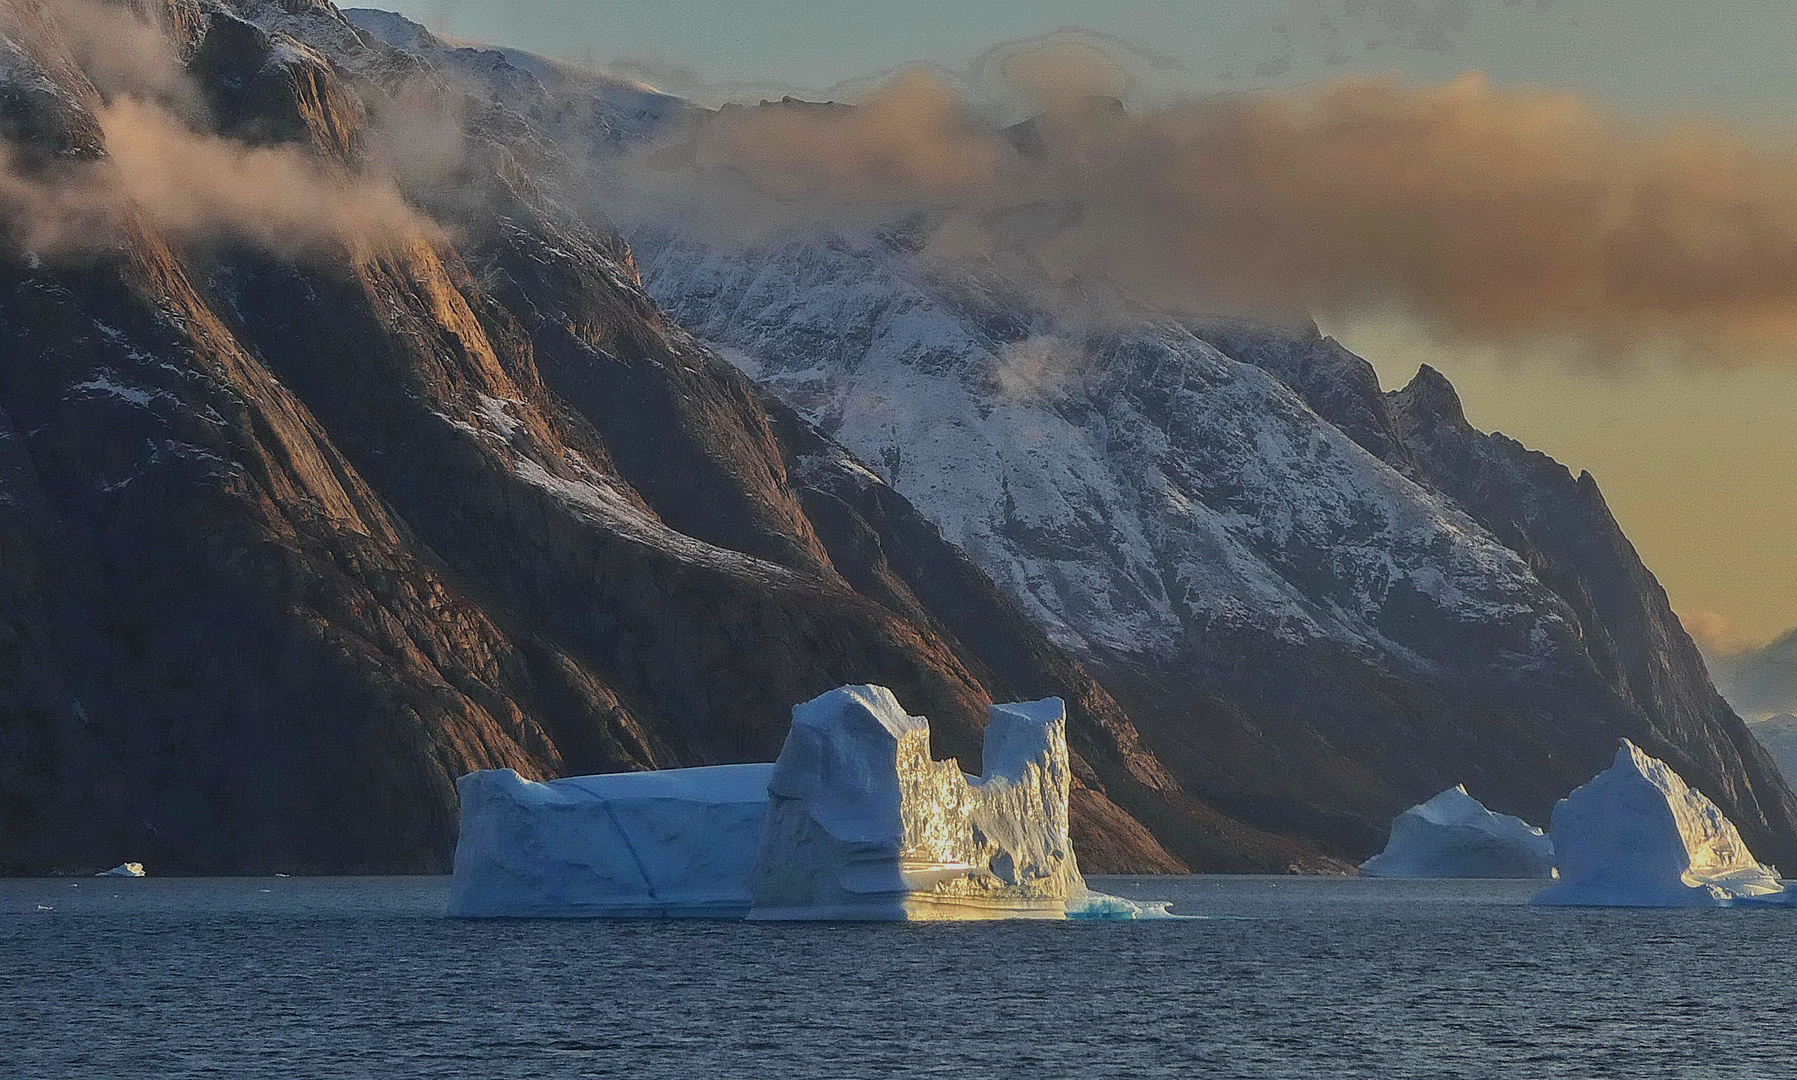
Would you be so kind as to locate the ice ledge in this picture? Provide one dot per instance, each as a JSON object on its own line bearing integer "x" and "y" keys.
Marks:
{"x": 630, "y": 845}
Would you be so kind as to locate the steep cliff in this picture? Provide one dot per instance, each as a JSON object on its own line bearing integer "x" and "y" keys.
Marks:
{"x": 1318, "y": 602}
{"x": 296, "y": 534}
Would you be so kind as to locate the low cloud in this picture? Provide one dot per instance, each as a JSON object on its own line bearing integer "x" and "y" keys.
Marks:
{"x": 1505, "y": 215}
{"x": 121, "y": 52}
{"x": 195, "y": 187}
{"x": 1718, "y": 636}
{"x": 1060, "y": 74}
{"x": 160, "y": 169}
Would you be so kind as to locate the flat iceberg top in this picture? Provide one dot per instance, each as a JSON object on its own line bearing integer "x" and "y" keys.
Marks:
{"x": 1638, "y": 835}
{"x": 1046, "y": 711}
{"x": 706, "y": 784}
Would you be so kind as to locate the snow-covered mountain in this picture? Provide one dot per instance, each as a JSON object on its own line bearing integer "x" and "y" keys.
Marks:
{"x": 1319, "y": 602}
{"x": 1134, "y": 489}
{"x": 494, "y": 500}
{"x": 1289, "y": 577}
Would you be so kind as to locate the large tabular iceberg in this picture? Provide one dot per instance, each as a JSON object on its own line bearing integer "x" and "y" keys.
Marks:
{"x": 1454, "y": 836}
{"x": 854, "y": 821}
{"x": 1638, "y": 836}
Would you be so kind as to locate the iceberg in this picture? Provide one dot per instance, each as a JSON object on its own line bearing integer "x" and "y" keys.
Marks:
{"x": 853, "y": 821}
{"x": 1637, "y": 835}
{"x": 669, "y": 844}
{"x": 128, "y": 869}
{"x": 1454, "y": 836}
{"x": 862, "y": 824}
{"x": 1087, "y": 904}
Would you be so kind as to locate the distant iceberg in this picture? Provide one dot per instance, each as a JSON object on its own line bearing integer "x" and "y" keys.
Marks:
{"x": 1638, "y": 836}
{"x": 1454, "y": 836}
{"x": 854, "y": 821}
{"x": 129, "y": 869}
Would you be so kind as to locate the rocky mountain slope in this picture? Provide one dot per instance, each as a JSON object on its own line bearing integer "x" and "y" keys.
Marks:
{"x": 294, "y": 536}
{"x": 291, "y": 536}
{"x": 1321, "y": 603}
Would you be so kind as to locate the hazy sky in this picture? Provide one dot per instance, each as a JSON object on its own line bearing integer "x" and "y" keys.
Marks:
{"x": 1700, "y": 465}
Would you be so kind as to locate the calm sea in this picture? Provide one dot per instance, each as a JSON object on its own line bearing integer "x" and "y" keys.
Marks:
{"x": 1285, "y": 977}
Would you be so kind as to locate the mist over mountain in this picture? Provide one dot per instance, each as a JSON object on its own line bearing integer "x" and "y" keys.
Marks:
{"x": 1760, "y": 682}
{"x": 304, "y": 513}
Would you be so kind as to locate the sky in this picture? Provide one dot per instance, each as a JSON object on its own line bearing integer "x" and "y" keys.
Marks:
{"x": 1699, "y": 462}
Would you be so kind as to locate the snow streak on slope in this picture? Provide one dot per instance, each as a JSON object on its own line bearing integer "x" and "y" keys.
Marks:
{"x": 1130, "y": 488}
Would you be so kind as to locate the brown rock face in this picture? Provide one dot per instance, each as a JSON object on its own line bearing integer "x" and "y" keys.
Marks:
{"x": 288, "y": 542}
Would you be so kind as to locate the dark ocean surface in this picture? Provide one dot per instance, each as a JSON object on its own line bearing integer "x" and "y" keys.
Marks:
{"x": 1286, "y": 977}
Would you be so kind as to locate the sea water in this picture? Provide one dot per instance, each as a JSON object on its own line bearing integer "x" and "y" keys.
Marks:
{"x": 1282, "y": 977}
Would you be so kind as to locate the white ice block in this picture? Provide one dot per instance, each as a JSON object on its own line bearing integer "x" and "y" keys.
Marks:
{"x": 1638, "y": 836}
{"x": 674, "y": 843}
{"x": 1454, "y": 836}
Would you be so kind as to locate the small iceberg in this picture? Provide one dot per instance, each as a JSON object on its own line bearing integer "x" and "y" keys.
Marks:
{"x": 1637, "y": 835}
{"x": 129, "y": 869}
{"x": 1087, "y": 904}
{"x": 1454, "y": 836}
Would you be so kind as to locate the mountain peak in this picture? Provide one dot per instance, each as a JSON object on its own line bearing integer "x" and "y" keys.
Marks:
{"x": 1429, "y": 400}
